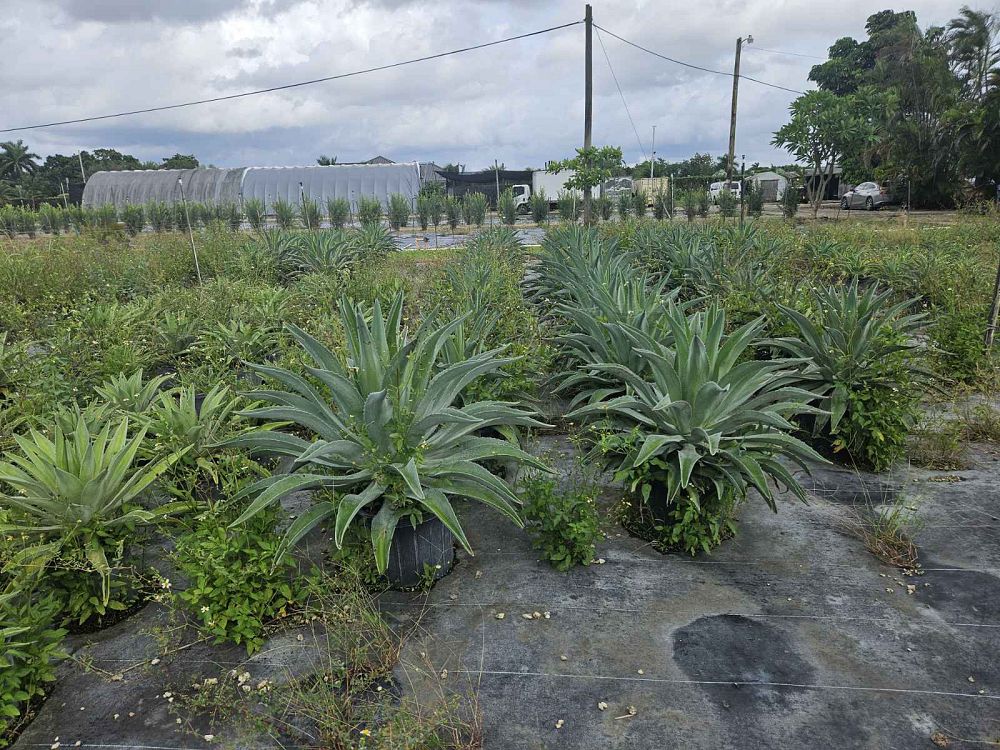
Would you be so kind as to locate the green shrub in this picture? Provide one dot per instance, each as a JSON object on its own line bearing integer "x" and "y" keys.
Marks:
{"x": 565, "y": 524}
{"x": 310, "y": 215}
{"x": 702, "y": 198}
{"x": 507, "y": 207}
{"x": 639, "y": 202}
{"x": 437, "y": 207}
{"x": 690, "y": 200}
{"x": 159, "y": 216}
{"x": 424, "y": 209}
{"x": 702, "y": 428}
{"x": 254, "y": 209}
{"x": 339, "y": 211}
{"x": 754, "y": 198}
{"x": 958, "y": 337}
{"x": 399, "y": 211}
{"x": 284, "y": 214}
{"x": 74, "y": 509}
{"x": 859, "y": 351}
{"x": 603, "y": 208}
{"x": 475, "y": 206}
{"x": 8, "y": 221}
{"x": 790, "y": 201}
{"x": 369, "y": 211}
{"x": 50, "y": 218}
{"x": 25, "y": 221}
{"x": 728, "y": 203}
{"x": 233, "y": 216}
{"x": 453, "y": 211}
{"x": 371, "y": 242}
{"x": 661, "y": 205}
{"x": 387, "y": 431}
{"x": 624, "y": 205}
{"x": 239, "y": 581}
{"x": 540, "y": 207}
{"x": 134, "y": 219}
{"x": 30, "y": 647}
{"x": 569, "y": 205}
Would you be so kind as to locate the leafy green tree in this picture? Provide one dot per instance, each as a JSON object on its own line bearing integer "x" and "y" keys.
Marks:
{"x": 180, "y": 161}
{"x": 592, "y": 165}
{"x": 974, "y": 51}
{"x": 326, "y": 161}
{"x": 16, "y": 160}
{"x": 818, "y": 134}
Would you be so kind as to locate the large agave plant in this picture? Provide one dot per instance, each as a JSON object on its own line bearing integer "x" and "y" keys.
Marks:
{"x": 73, "y": 491}
{"x": 849, "y": 342}
{"x": 702, "y": 426}
{"x": 325, "y": 251}
{"x": 388, "y": 437}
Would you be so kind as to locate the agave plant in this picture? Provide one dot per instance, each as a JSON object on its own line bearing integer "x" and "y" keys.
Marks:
{"x": 284, "y": 214}
{"x": 309, "y": 213}
{"x": 175, "y": 333}
{"x": 371, "y": 242}
{"x": 389, "y": 439}
{"x": 130, "y": 394}
{"x": 859, "y": 353}
{"x": 73, "y": 496}
{"x": 702, "y": 427}
{"x": 326, "y": 251}
{"x": 254, "y": 210}
{"x": 339, "y": 212}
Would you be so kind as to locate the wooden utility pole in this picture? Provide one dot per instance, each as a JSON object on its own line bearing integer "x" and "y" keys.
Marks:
{"x": 991, "y": 323}
{"x": 588, "y": 102}
{"x": 732, "y": 115}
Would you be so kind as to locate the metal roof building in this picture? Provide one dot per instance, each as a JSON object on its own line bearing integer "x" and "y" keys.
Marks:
{"x": 267, "y": 184}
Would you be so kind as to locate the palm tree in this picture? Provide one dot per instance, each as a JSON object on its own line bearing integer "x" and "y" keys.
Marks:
{"x": 972, "y": 38}
{"x": 16, "y": 160}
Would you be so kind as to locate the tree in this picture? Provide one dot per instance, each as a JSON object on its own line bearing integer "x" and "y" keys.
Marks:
{"x": 973, "y": 49}
{"x": 817, "y": 134}
{"x": 326, "y": 161}
{"x": 180, "y": 161}
{"x": 591, "y": 167}
{"x": 16, "y": 160}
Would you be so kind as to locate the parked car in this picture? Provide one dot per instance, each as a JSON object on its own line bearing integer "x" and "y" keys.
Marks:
{"x": 717, "y": 187}
{"x": 867, "y": 195}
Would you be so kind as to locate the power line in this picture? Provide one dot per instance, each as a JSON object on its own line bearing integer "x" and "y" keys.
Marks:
{"x": 696, "y": 67}
{"x": 782, "y": 52}
{"x": 621, "y": 94}
{"x": 292, "y": 85}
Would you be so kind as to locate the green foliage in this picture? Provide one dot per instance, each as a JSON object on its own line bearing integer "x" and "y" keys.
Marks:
{"x": 30, "y": 647}
{"x": 624, "y": 205}
{"x": 452, "y": 211}
{"x": 399, "y": 211}
{"x": 702, "y": 198}
{"x": 369, "y": 211}
{"x": 309, "y": 213}
{"x": 859, "y": 354}
{"x": 239, "y": 582}
{"x": 728, "y": 203}
{"x": 254, "y": 209}
{"x": 507, "y": 208}
{"x": 284, "y": 214}
{"x": 371, "y": 242}
{"x": 134, "y": 219}
{"x": 691, "y": 200}
{"x": 754, "y": 197}
{"x": 475, "y": 206}
{"x": 569, "y": 205}
{"x": 389, "y": 437}
{"x": 565, "y": 524}
{"x": 74, "y": 506}
{"x": 50, "y": 218}
{"x": 339, "y": 212}
{"x": 703, "y": 427}
{"x": 592, "y": 165}
{"x": 539, "y": 207}
{"x": 790, "y": 201}
{"x": 233, "y": 216}
{"x": 425, "y": 207}
{"x": 662, "y": 208}
{"x": 603, "y": 207}
{"x": 639, "y": 202}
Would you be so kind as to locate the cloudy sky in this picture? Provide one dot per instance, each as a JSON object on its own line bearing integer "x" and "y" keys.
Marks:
{"x": 521, "y": 103}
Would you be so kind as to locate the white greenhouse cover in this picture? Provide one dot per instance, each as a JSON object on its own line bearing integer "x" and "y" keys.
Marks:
{"x": 268, "y": 184}
{"x": 351, "y": 181}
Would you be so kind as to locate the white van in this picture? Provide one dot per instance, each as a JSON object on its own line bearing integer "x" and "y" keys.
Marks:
{"x": 717, "y": 187}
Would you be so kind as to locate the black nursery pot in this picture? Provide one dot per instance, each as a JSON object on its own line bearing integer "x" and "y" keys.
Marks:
{"x": 430, "y": 543}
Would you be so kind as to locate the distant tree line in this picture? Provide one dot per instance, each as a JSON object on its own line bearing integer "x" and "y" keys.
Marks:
{"x": 27, "y": 180}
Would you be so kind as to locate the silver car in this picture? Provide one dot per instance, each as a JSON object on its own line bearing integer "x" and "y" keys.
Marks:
{"x": 867, "y": 195}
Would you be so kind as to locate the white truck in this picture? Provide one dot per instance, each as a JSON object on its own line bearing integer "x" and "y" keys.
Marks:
{"x": 552, "y": 183}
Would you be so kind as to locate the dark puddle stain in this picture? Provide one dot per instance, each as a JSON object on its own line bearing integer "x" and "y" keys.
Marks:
{"x": 738, "y": 649}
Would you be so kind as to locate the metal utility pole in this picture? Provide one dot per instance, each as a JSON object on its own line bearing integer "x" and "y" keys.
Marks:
{"x": 588, "y": 101}
{"x": 732, "y": 115}
{"x": 652, "y": 154}
{"x": 187, "y": 217}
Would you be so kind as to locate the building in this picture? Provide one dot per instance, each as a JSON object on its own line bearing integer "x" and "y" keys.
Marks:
{"x": 771, "y": 184}
{"x": 267, "y": 184}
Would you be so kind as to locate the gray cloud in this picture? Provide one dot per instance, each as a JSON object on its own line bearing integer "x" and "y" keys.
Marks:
{"x": 520, "y": 103}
